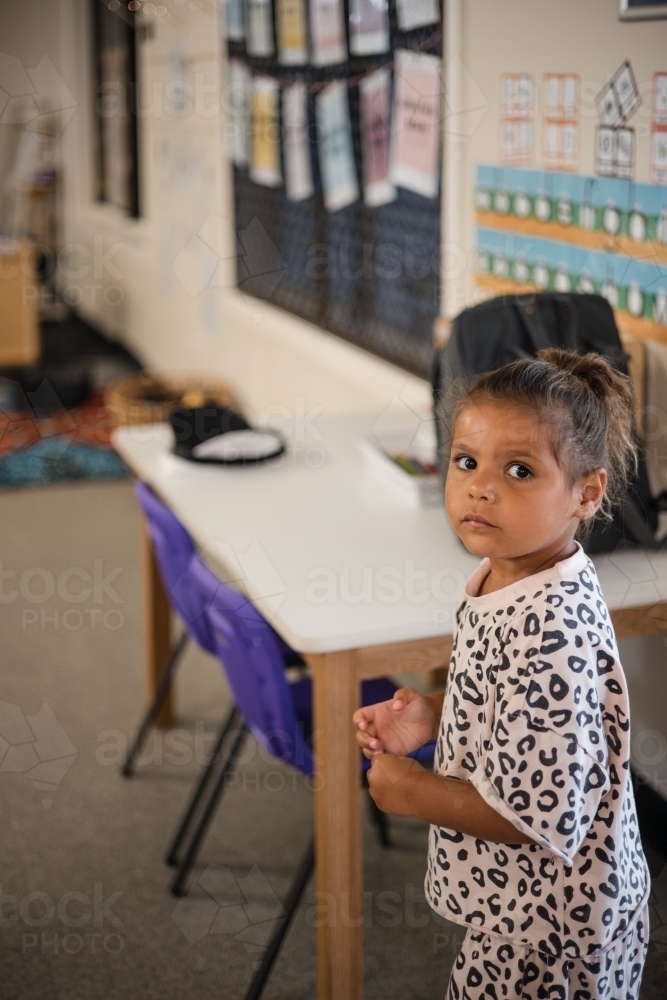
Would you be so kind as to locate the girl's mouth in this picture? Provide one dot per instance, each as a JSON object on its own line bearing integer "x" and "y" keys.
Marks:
{"x": 477, "y": 521}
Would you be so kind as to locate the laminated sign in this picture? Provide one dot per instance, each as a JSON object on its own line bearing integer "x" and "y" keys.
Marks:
{"x": 259, "y": 28}
{"x": 415, "y": 135}
{"x": 291, "y": 31}
{"x": 615, "y": 142}
{"x": 238, "y": 105}
{"x": 327, "y": 32}
{"x": 416, "y": 13}
{"x": 235, "y": 28}
{"x": 369, "y": 27}
{"x": 296, "y": 150}
{"x": 375, "y": 90}
{"x": 659, "y": 129}
{"x": 265, "y": 161}
{"x": 339, "y": 175}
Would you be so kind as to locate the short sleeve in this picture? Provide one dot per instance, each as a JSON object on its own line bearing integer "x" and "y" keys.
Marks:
{"x": 547, "y": 784}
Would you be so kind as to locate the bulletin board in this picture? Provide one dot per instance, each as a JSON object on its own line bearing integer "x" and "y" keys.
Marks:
{"x": 367, "y": 274}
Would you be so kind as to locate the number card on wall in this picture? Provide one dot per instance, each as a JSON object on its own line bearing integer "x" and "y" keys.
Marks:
{"x": 560, "y": 128}
{"x": 517, "y": 113}
{"x": 659, "y": 129}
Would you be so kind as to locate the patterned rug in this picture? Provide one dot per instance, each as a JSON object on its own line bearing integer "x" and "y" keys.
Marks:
{"x": 67, "y": 445}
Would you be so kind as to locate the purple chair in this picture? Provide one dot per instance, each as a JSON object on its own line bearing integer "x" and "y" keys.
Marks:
{"x": 174, "y": 551}
{"x": 277, "y": 713}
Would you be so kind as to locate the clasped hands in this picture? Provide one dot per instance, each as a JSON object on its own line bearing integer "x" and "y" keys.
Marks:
{"x": 386, "y": 732}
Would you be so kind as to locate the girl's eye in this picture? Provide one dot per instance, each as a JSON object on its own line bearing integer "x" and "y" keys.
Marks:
{"x": 518, "y": 471}
{"x": 466, "y": 463}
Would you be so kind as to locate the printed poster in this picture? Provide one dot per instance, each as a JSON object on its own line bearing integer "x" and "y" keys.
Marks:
{"x": 339, "y": 175}
{"x": 259, "y": 28}
{"x": 233, "y": 14}
{"x": 291, "y": 31}
{"x": 265, "y": 158}
{"x": 415, "y": 139}
{"x": 369, "y": 27}
{"x": 416, "y": 13}
{"x": 239, "y": 102}
{"x": 327, "y": 32}
{"x": 296, "y": 148}
{"x": 375, "y": 92}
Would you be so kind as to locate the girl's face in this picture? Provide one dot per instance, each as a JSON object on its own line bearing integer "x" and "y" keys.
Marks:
{"x": 506, "y": 495}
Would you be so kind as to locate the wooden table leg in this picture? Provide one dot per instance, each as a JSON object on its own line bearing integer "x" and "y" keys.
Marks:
{"x": 157, "y": 615}
{"x": 338, "y": 828}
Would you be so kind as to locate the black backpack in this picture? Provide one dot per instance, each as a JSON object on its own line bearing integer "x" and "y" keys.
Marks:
{"x": 503, "y": 329}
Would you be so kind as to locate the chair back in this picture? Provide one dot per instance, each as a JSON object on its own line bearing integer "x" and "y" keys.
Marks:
{"x": 251, "y": 656}
{"x": 174, "y": 551}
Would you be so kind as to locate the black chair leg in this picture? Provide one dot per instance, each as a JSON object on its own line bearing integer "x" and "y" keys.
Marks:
{"x": 380, "y": 819}
{"x": 178, "y": 886}
{"x": 156, "y": 705}
{"x": 290, "y": 906}
{"x": 172, "y": 855}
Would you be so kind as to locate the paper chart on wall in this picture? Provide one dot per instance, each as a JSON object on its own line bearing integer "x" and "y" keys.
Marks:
{"x": 265, "y": 159}
{"x": 296, "y": 148}
{"x": 239, "y": 101}
{"x": 327, "y": 32}
{"x": 291, "y": 32}
{"x": 339, "y": 175}
{"x": 416, "y": 13}
{"x": 259, "y": 28}
{"x": 415, "y": 133}
{"x": 233, "y": 16}
{"x": 369, "y": 27}
{"x": 375, "y": 92}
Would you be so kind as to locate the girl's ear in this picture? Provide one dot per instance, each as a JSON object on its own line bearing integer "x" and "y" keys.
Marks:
{"x": 591, "y": 494}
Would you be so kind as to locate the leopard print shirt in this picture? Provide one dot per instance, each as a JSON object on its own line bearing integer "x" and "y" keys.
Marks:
{"x": 536, "y": 717}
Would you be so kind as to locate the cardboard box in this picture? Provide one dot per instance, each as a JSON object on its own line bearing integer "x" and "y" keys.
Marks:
{"x": 19, "y": 321}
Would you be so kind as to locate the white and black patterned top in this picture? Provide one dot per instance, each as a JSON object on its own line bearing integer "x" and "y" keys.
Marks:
{"x": 536, "y": 717}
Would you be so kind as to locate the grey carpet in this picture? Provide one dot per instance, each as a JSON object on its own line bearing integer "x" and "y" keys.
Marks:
{"x": 86, "y": 911}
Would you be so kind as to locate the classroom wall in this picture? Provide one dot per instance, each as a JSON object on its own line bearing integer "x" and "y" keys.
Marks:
{"x": 121, "y": 270}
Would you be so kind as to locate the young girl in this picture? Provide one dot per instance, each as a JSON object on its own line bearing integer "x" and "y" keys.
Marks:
{"x": 534, "y": 843}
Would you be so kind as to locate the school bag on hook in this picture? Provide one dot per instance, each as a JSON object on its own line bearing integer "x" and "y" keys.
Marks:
{"x": 500, "y": 330}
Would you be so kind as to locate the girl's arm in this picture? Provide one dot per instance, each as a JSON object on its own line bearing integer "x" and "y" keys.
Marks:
{"x": 401, "y": 786}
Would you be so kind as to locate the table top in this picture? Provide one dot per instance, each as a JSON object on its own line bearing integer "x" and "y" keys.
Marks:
{"x": 326, "y": 549}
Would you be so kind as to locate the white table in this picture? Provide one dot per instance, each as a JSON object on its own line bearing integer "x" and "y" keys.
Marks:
{"x": 359, "y": 582}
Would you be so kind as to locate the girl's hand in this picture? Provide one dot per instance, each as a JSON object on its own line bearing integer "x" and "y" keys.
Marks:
{"x": 398, "y": 726}
{"x": 392, "y": 781}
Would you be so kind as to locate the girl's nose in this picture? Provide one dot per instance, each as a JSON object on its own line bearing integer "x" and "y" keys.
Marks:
{"x": 481, "y": 491}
